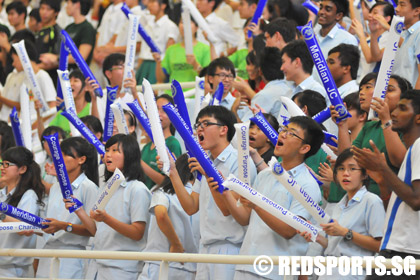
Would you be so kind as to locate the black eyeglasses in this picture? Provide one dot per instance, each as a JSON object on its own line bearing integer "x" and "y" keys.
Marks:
{"x": 224, "y": 76}
{"x": 205, "y": 124}
{"x": 289, "y": 133}
{"x": 6, "y": 164}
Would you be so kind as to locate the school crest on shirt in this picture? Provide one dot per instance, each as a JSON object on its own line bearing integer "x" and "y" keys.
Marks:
{"x": 46, "y": 39}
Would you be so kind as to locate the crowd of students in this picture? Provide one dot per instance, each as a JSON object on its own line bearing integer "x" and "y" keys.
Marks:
{"x": 371, "y": 189}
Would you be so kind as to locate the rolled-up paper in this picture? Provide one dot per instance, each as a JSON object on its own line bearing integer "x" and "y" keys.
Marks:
{"x": 258, "y": 12}
{"x": 308, "y": 4}
{"x": 199, "y": 95}
{"x": 22, "y": 215}
{"x": 152, "y": 45}
{"x": 242, "y": 136}
{"x": 108, "y": 191}
{"x": 14, "y": 227}
{"x": 64, "y": 79}
{"x": 265, "y": 127}
{"x": 158, "y": 137}
{"x": 141, "y": 116}
{"x": 62, "y": 65}
{"x": 25, "y": 116}
{"x": 60, "y": 168}
{"x": 322, "y": 116}
{"x": 179, "y": 101}
{"x": 29, "y": 73}
{"x": 130, "y": 52}
{"x": 111, "y": 93}
{"x": 188, "y": 39}
{"x": 218, "y": 95}
{"x": 270, "y": 206}
{"x": 17, "y": 131}
{"x": 201, "y": 22}
{"x": 388, "y": 61}
{"x": 81, "y": 63}
{"x": 119, "y": 117}
{"x": 291, "y": 106}
{"x": 71, "y": 115}
{"x": 193, "y": 145}
{"x": 323, "y": 70}
{"x": 299, "y": 193}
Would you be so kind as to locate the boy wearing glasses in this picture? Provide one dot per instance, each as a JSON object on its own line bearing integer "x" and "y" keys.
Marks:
{"x": 220, "y": 233}
{"x": 222, "y": 70}
{"x": 267, "y": 235}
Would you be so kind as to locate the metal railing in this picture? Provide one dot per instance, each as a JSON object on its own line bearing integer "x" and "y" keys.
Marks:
{"x": 164, "y": 258}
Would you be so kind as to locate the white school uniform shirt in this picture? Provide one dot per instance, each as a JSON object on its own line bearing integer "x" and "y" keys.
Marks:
{"x": 364, "y": 67}
{"x": 402, "y": 223}
{"x": 129, "y": 204}
{"x": 260, "y": 239}
{"x": 364, "y": 214}
{"x": 182, "y": 223}
{"x": 214, "y": 227}
{"x": 12, "y": 90}
{"x": 28, "y": 203}
{"x": 311, "y": 84}
{"x": 111, "y": 23}
{"x": 121, "y": 39}
{"x": 85, "y": 191}
{"x": 222, "y": 31}
{"x": 268, "y": 98}
{"x": 348, "y": 88}
{"x": 160, "y": 31}
{"x": 407, "y": 58}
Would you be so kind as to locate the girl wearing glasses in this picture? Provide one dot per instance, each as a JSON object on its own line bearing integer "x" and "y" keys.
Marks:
{"x": 21, "y": 187}
{"x": 359, "y": 217}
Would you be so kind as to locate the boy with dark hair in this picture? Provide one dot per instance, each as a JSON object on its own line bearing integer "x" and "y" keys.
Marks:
{"x": 48, "y": 40}
{"x": 297, "y": 65}
{"x": 80, "y": 31}
{"x": 227, "y": 38}
{"x": 222, "y": 70}
{"x": 113, "y": 70}
{"x": 247, "y": 8}
{"x": 311, "y": 102}
{"x": 343, "y": 61}
{"x": 407, "y": 59}
{"x": 220, "y": 233}
{"x": 269, "y": 97}
{"x": 34, "y": 23}
{"x": 10, "y": 96}
{"x": 279, "y": 32}
{"x": 16, "y": 14}
{"x": 267, "y": 235}
{"x": 328, "y": 32}
{"x": 401, "y": 236}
